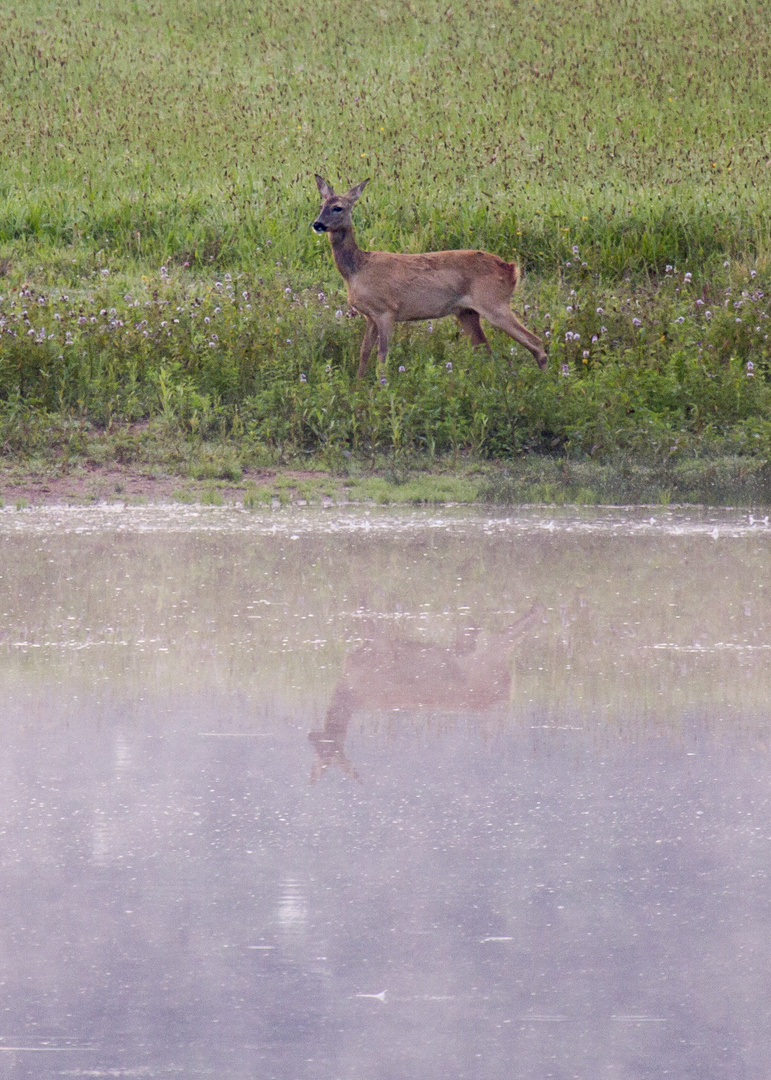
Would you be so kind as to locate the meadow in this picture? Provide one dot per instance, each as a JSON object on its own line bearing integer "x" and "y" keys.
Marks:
{"x": 164, "y": 302}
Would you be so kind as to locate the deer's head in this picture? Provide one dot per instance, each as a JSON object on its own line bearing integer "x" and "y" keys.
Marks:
{"x": 335, "y": 212}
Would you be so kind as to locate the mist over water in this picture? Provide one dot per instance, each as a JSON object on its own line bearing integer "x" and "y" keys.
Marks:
{"x": 397, "y": 796}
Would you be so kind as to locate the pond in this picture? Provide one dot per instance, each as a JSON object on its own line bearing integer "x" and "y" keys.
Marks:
{"x": 397, "y": 795}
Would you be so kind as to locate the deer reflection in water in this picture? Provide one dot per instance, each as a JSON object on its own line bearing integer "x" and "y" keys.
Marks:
{"x": 389, "y": 672}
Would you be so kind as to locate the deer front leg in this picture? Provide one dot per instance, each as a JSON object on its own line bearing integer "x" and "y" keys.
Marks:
{"x": 370, "y": 337}
{"x": 385, "y": 327}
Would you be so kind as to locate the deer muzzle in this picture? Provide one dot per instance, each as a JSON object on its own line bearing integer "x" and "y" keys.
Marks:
{"x": 319, "y": 226}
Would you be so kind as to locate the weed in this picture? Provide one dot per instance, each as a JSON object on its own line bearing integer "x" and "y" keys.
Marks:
{"x": 255, "y": 497}
{"x": 162, "y": 295}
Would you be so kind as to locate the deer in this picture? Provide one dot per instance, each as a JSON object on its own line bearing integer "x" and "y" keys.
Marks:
{"x": 389, "y": 287}
{"x": 384, "y": 673}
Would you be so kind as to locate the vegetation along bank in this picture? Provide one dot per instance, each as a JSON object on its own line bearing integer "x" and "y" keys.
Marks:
{"x": 167, "y": 313}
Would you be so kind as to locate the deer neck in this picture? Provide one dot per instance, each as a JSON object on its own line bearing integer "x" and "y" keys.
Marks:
{"x": 347, "y": 254}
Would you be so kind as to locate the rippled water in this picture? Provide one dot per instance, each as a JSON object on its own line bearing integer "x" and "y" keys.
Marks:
{"x": 385, "y": 796}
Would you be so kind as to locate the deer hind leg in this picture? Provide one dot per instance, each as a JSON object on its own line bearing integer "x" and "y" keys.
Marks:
{"x": 503, "y": 317}
{"x": 470, "y": 325}
{"x": 370, "y": 337}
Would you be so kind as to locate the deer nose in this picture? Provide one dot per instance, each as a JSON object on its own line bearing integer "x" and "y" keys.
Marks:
{"x": 319, "y": 226}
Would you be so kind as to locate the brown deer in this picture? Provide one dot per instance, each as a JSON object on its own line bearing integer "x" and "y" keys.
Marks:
{"x": 387, "y": 673}
{"x": 387, "y": 287}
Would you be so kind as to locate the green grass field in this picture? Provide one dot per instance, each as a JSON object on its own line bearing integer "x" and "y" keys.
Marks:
{"x": 158, "y": 265}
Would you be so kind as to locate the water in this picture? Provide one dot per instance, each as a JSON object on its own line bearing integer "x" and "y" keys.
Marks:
{"x": 397, "y": 796}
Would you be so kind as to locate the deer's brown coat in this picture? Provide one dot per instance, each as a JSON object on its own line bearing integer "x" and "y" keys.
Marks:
{"x": 387, "y": 287}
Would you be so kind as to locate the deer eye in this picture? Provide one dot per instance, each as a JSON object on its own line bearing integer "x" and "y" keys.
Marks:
{"x": 337, "y": 209}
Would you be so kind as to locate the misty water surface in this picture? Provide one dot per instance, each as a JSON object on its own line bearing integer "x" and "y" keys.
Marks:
{"x": 398, "y": 796}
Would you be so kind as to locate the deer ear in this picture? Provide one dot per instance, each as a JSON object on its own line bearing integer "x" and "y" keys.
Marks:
{"x": 355, "y": 192}
{"x": 326, "y": 190}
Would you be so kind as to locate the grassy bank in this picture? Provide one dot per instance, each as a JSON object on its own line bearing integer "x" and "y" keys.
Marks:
{"x": 158, "y": 271}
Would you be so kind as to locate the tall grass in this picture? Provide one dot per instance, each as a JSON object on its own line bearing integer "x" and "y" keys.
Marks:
{"x": 152, "y": 150}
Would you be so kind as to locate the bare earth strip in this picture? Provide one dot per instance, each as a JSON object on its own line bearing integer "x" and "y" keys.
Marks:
{"x": 114, "y": 483}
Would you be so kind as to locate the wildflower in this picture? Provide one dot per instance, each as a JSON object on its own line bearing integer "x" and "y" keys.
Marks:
{"x": 569, "y": 308}
{"x": 565, "y": 370}
{"x": 302, "y": 378}
{"x": 430, "y": 328}
{"x": 321, "y": 295}
{"x": 585, "y": 354}
{"x": 228, "y": 277}
{"x": 339, "y": 313}
{"x": 402, "y": 367}
{"x": 753, "y": 273}
{"x": 105, "y": 273}
{"x": 383, "y": 380}
{"x": 636, "y": 322}
{"x": 567, "y": 264}
{"x": 164, "y": 272}
{"x": 575, "y": 249}
{"x": 668, "y": 269}
{"x": 699, "y": 302}
{"x": 448, "y": 366}
{"x": 726, "y": 263}
{"x": 688, "y": 276}
{"x": 600, "y": 311}
{"x": 287, "y": 292}
{"x": 750, "y": 369}
{"x": 680, "y": 319}
{"x": 595, "y": 339}
{"x": 707, "y": 314}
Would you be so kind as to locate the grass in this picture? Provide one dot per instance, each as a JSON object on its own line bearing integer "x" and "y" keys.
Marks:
{"x": 163, "y": 299}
